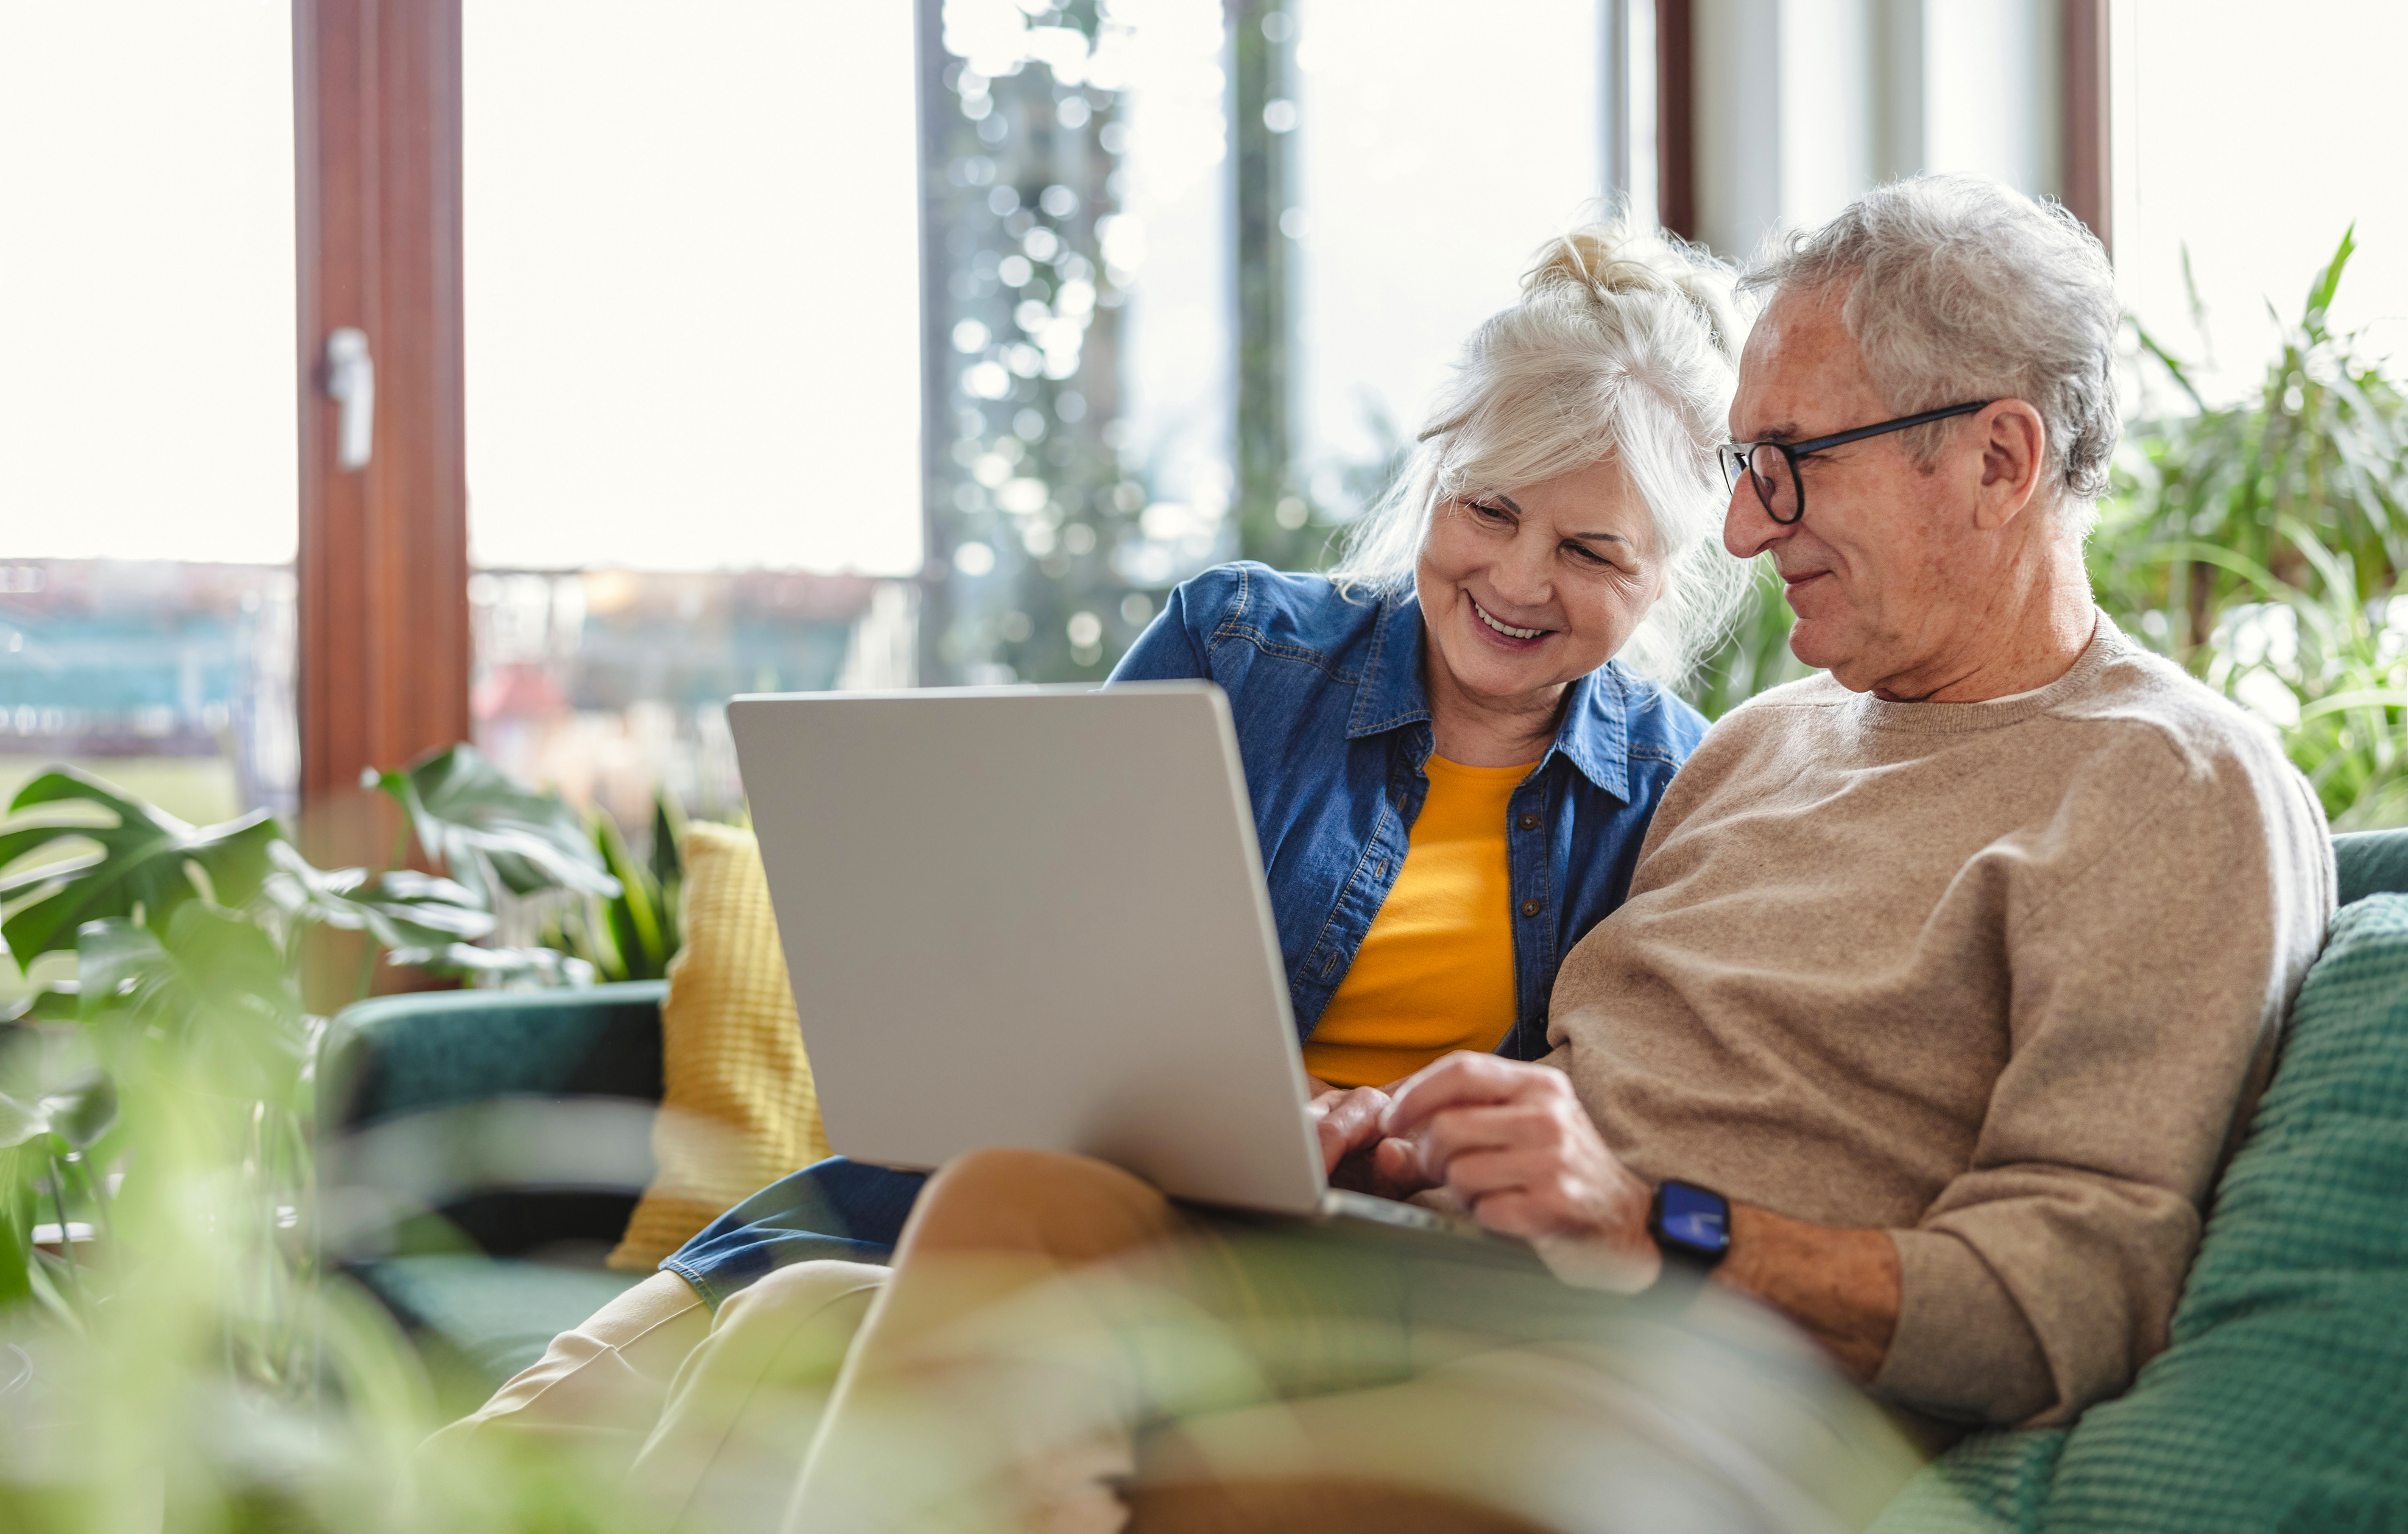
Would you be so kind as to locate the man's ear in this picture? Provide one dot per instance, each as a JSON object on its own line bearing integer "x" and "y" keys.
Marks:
{"x": 2015, "y": 450}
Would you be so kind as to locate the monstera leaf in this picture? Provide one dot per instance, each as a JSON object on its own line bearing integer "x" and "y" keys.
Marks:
{"x": 216, "y": 988}
{"x": 470, "y": 817}
{"x": 78, "y": 1111}
{"x": 400, "y": 907}
{"x": 140, "y": 864}
{"x": 499, "y": 965}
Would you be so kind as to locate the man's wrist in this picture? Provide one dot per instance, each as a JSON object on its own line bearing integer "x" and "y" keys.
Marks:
{"x": 1843, "y": 1285}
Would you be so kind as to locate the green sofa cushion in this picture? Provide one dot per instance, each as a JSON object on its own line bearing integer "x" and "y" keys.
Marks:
{"x": 427, "y": 1050}
{"x": 1993, "y": 1483}
{"x": 2371, "y": 863}
{"x": 490, "y": 1315}
{"x": 2282, "y": 1402}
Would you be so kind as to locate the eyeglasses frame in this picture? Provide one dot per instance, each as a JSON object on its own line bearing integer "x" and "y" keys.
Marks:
{"x": 1744, "y": 453}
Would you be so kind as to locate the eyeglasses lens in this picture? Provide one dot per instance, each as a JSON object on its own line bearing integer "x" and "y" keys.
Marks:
{"x": 1776, "y": 486}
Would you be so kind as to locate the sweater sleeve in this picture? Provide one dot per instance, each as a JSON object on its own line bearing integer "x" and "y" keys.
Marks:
{"x": 2152, "y": 964}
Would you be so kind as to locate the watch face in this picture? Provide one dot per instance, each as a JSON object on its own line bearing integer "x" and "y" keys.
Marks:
{"x": 1694, "y": 1218}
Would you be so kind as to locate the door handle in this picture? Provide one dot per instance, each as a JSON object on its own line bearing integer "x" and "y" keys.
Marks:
{"x": 350, "y": 381}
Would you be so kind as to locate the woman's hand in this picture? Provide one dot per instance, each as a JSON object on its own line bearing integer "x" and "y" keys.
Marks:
{"x": 1511, "y": 1140}
{"x": 1347, "y": 1119}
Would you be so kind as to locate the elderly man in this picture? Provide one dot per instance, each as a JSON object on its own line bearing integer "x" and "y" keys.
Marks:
{"x": 1944, "y": 984}
{"x": 1957, "y": 967}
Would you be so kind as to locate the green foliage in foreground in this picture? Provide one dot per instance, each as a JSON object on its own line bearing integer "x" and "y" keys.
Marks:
{"x": 171, "y": 1354}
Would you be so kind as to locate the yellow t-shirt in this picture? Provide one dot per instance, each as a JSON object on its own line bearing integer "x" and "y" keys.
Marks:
{"x": 1436, "y": 971}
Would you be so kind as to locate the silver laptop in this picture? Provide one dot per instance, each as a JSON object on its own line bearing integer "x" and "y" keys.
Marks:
{"x": 1036, "y": 917}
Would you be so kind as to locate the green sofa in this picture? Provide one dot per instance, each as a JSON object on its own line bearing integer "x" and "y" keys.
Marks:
{"x": 2282, "y": 1403}
{"x": 481, "y": 1152}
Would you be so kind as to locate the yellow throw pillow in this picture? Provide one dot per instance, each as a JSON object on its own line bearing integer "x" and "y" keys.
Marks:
{"x": 737, "y": 1107}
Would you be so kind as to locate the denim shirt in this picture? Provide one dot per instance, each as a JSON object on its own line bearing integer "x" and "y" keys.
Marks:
{"x": 1334, "y": 728}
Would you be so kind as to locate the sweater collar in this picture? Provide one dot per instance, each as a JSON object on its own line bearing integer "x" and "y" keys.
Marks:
{"x": 2106, "y": 643}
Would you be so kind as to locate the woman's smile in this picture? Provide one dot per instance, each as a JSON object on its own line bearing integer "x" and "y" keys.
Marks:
{"x": 1505, "y": 635}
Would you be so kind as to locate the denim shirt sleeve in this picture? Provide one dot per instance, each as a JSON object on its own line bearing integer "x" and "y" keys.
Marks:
{"x": 1173, "y": 647}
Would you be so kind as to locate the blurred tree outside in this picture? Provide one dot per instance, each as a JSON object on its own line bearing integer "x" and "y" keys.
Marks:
{"x": 1048, "y": 548}
{"x": 1027, "y": 499}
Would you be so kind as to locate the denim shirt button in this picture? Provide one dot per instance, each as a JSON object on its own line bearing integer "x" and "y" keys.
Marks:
{"x": 1529, "y": 820}
{"x": 1532, "y": 907}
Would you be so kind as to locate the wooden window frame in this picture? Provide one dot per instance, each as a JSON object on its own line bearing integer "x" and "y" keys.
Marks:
{"x": 382, "y": 571}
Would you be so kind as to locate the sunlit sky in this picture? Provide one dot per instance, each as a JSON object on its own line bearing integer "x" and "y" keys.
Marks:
{"x": 691, "y": 248}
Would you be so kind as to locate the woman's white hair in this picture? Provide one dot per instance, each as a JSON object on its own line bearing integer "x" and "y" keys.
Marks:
{"x": 1958, "y": 288}
{"x": 1625, "y": 343}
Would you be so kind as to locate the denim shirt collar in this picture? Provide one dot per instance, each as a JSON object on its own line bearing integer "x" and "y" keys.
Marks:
{"x": 1595, "y": 733}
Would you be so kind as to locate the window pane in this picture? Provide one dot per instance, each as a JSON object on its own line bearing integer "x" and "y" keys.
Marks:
{"x": 1081, "y": 248}
{"x": 2258, "y": 198}
{"x": 147, "y": 406}
{"x": 693, "y": 331}
{"x": 1437, "y": 149}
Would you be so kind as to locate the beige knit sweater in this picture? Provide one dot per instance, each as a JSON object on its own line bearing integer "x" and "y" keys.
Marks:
{"x": 1999, "y": 978}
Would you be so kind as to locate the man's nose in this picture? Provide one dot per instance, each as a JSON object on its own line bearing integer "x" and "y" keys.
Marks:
{"x": 1748, "y": 528}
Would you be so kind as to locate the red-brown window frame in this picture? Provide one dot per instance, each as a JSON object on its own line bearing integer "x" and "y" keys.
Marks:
{"x": 382, "y": 571}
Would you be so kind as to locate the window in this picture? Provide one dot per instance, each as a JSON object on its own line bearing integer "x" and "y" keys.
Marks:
{"x": 2253, "y": 197}
{"x": 692, "y": 294}
{"x": 1437, "y": 149}
{"x": 147, "y": 411}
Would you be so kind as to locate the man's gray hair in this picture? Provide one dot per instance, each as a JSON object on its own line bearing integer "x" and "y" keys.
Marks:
{"x": 1625, "y": 343}
{"x": 1960, "y": 288}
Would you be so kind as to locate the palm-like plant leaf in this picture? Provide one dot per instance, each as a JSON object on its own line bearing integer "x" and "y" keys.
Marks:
{"x": 474, "y": 820}
{"x": 2262, "y": 545}
{"x": 142, "y": 863}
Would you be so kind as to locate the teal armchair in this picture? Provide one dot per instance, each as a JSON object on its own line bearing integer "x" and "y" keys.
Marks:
{"x": 479, "y": 1153}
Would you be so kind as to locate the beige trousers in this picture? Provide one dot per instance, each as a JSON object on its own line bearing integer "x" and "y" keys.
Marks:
{"x": 700, "y": 1420}
{"x": 1060, "y": 1348}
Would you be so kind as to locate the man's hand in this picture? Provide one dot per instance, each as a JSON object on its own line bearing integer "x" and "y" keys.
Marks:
{"x": 1512, "y": 1143}
{"x": 1347, "y": 1118}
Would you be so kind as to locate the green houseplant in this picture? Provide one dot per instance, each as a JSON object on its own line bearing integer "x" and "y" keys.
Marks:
{"x": 2261, "y": 544}
{"x": 190, "y": 1368}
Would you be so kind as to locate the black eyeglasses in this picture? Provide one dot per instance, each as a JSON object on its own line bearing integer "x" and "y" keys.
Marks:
{"x": 1773, "y": 466}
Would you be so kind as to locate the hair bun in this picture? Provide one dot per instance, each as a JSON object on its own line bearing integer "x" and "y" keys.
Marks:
{"x": 1608, "y": 258}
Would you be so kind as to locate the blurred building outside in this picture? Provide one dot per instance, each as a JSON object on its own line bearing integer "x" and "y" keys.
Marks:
{"x": 609, "y": 683}
{"x": 172, "y": 678}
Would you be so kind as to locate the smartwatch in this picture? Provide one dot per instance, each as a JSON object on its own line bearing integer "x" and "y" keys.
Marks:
{"x": 1692, "y": 1228}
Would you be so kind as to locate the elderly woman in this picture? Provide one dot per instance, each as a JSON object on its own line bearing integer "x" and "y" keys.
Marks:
{"x": 1452, "y": 745}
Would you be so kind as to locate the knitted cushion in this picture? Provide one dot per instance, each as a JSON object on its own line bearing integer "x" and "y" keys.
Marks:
{"x": 1993, "y": 1483}
{"x": 737, "y": 1107}
{"x": 2280, "y": 1404}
